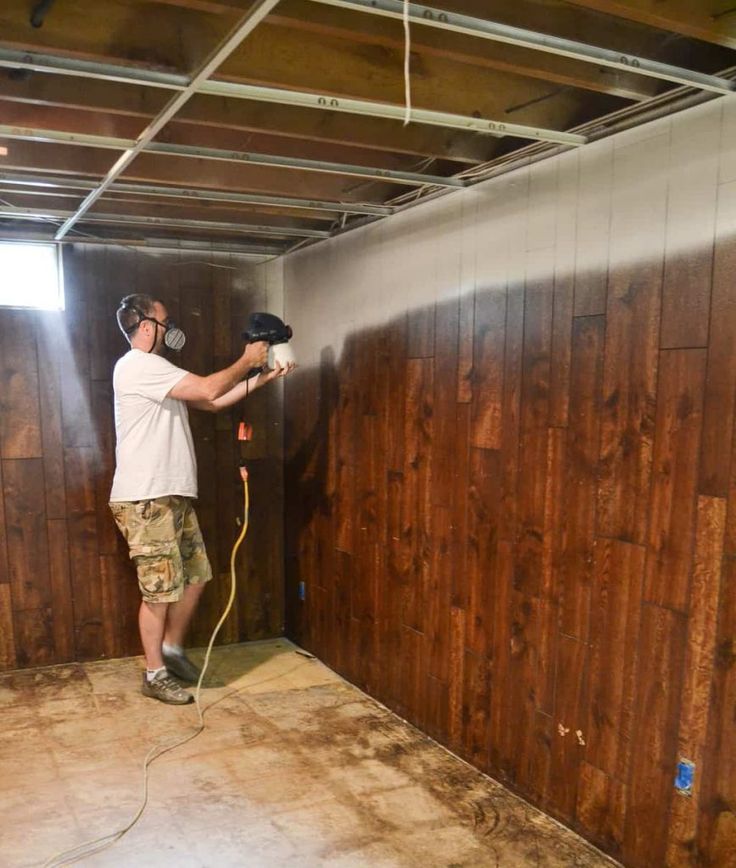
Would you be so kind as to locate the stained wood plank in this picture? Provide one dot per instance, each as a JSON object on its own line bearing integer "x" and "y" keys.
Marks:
{"x": 468, "y": 281}
{"x": 488, "y": 352}
{"x": 420, "y": 333}
{"x": 632, "y": 338}
{"x": 482, "y": 542}
{"x": 25, "y": 523}
{"x": 109, "y": 538}
{"x": 456, "y": 676}
{"x": 717, "y": 821}
{"x": 582, "y": 475}
{"x": 77, "y": 424}
{"x": 699, "y": 656}
{"x": 522, "y": 668}
{"x": 416, "y": 488}
{"x": 568, "y": 718}
{"x": 537, "y": 345}
{"x": 566, "y": 229}
{"x": 653, "y": 755}
{"x": 594, "y": 226}
{"x": 20, "y": 411}
{"x": 445, "y": 445}
{"x": 720, "y": 384}
{"x": 615, "y": 619}
{"x": 601, "y": 807}
{"x": 4, "y": 566}
{"x": 80, "y": 464}
{"x": 61, "y": 591}
{"x": 439, "y": 594}
{"x": 688, "y": 265}
{"x": 550, "y": 586}
{"x": 476, "y": 708}
{"x": 34, "y": 637}
{"x": 674, "y": 477}
{"x": 505, "y": 645}
{"x": 8, "y": 659}
{"x": 49, "y": 328}
{"x": 531, "y": 492}
{"x": 512, "y": 411}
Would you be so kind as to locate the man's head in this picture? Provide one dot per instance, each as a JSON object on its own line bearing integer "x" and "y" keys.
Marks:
{"x": 145, "y": 321}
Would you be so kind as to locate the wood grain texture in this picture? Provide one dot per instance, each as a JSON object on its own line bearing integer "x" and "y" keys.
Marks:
{"x": 653, "y": 755}
{"x": 674, "y": 477}
{"x": 720, "y": 386}
{"x": 20, "y": 410}
{"x": 581, "y": 482}
{"x": 544, "y": 472}
{"x": 632, "y": 339}
{"x": 615, "y": 618}
{"x": 686, "y": 289}
{"x": 699, "y": 660}
{"x": 67, "y": 588}
{"x": 717, "y": 819}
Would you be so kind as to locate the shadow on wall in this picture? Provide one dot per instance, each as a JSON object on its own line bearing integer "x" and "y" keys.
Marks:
{"x": 490, "y": 511}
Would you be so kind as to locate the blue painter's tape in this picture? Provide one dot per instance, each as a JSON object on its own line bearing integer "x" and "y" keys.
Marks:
{"x": 685, "y": 777}
{"x": 302, "y": 590}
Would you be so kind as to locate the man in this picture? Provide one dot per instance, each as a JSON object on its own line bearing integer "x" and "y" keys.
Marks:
{"x": 156, "y": 480}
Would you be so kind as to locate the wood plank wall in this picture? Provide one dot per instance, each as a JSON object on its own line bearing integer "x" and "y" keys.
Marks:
{"x": 67, "y": 588}
{"x": 511, "y": 487}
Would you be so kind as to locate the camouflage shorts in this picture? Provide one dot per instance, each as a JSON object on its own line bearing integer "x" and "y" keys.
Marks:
{"x": 165, "y": 544}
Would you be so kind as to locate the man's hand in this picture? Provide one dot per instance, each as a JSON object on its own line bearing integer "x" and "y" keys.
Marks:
{"x": 278, "y": 371}
{"x": 256, "y": 354}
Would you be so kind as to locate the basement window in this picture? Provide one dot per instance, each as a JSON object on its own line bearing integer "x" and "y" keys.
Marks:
{"x": 30, "y": 276}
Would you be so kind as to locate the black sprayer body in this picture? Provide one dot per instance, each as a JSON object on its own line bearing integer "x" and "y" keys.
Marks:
{"x": 266, "y": 327}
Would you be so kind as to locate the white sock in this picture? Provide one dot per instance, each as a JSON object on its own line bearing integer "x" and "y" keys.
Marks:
{"x": 152, "y": 673}
{"x": 176, "y": 650}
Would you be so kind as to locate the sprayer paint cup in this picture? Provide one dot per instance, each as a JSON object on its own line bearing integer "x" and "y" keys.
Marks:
{"x": 281, "y": 353}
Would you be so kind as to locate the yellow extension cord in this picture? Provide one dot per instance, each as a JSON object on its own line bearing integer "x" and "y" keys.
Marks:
{"x": 96, "y": 845}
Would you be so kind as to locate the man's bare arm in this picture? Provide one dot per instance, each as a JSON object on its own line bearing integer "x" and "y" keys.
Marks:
{"x": 194, "y": 388}
{"x": 242, "y": 390}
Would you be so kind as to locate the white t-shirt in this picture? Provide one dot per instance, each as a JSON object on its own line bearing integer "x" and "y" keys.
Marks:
{"x": 155, "y": 451}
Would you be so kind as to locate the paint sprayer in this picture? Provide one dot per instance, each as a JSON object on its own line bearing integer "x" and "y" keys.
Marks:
{"x": 268, "y": 327}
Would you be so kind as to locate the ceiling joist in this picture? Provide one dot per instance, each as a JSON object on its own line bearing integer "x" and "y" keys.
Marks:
{"x": 427, "y": 16}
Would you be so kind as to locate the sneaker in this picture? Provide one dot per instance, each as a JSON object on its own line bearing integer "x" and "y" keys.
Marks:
{"x": 181, "y": 667}
{"x": 164, "y": 687}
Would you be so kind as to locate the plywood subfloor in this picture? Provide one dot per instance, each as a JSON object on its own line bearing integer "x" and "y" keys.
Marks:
{"x": 296, "y": 768}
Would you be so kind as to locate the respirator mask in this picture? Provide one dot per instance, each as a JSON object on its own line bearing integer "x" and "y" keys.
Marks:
{"x": 269, "y": 328}
{"x": 174, "y": 337}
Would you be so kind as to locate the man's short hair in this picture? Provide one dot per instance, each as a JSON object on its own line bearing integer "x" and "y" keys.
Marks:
{"x": 129, "y": 312}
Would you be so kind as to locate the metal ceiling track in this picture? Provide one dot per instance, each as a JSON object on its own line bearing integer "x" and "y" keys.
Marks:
{"x": 430, "y": 17}
{"x": 253, "y": 159}
{"x": 172, "y": 222}
{"x": 197, "y": 194}
{"x": 282, "y": 96}
{"x": 388, "y": 111}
